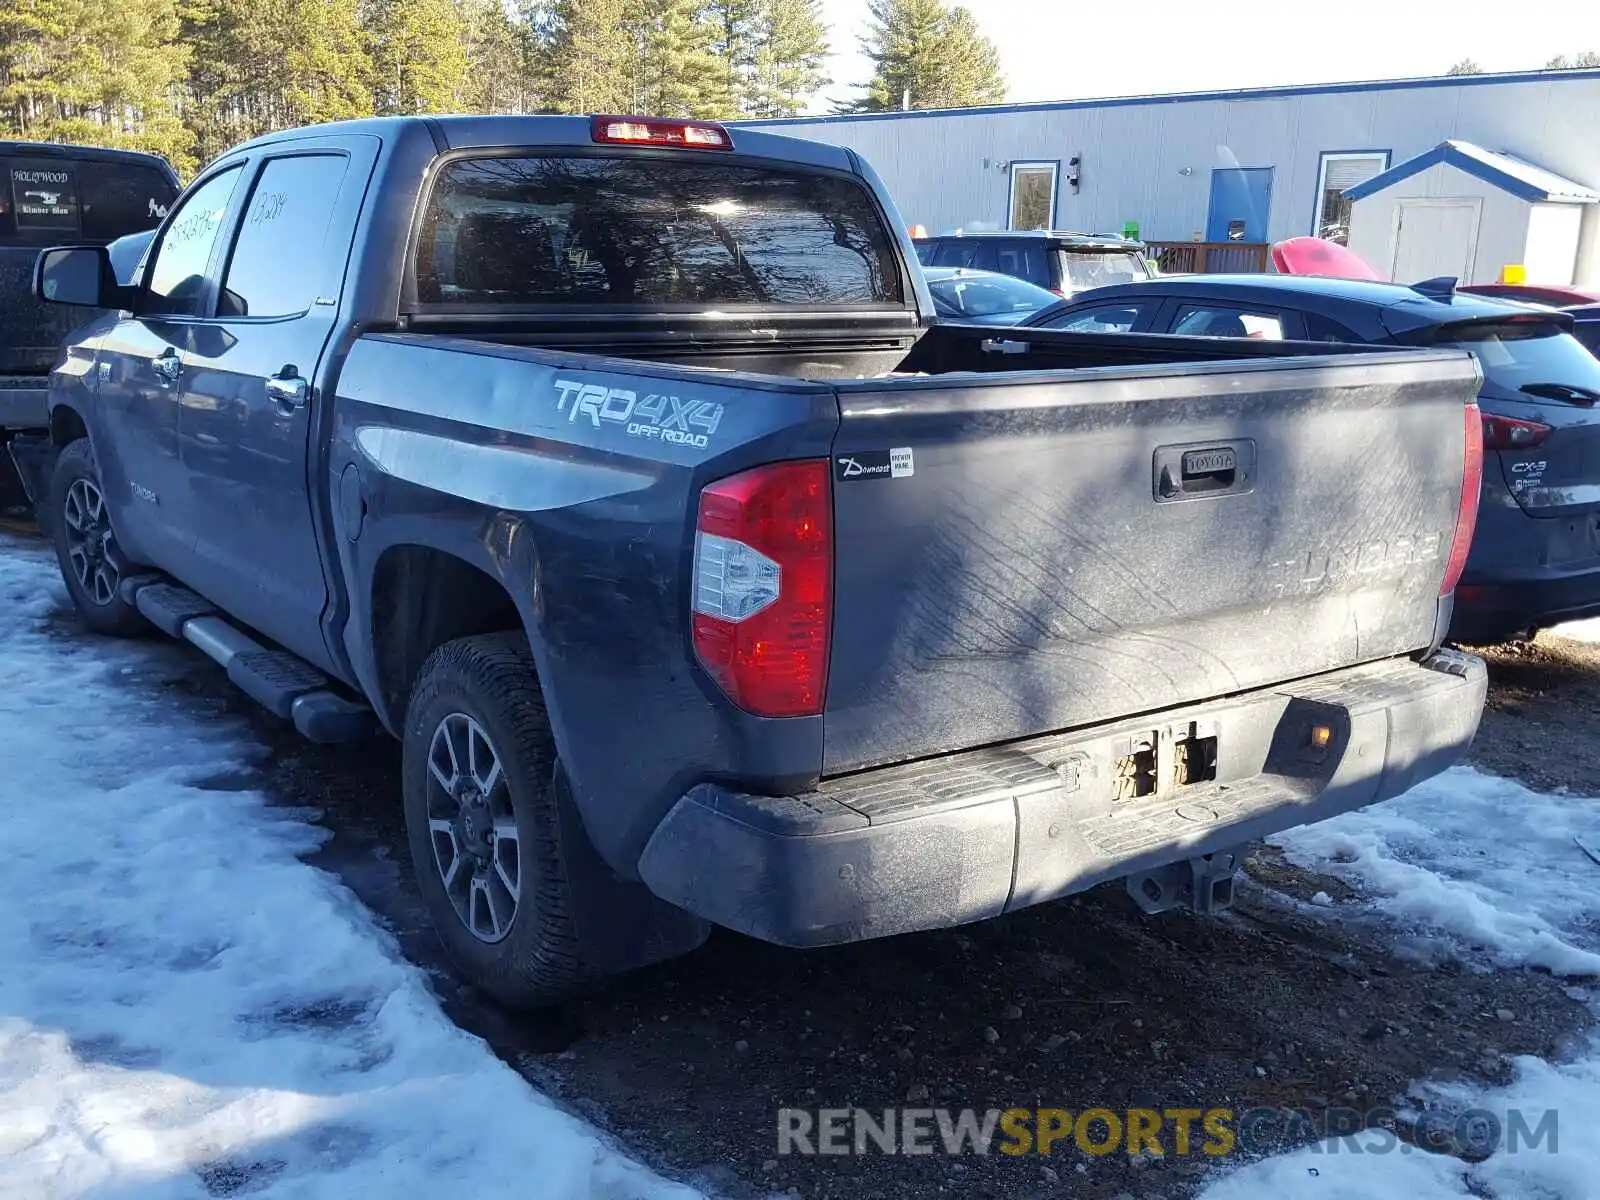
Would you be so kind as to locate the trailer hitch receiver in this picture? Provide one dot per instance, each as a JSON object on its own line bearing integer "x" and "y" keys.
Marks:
{"x": 1203, "y": 884}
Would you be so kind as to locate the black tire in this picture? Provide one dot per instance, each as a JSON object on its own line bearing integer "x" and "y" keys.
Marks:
{"x": 91, "y": 564}
{"x": 490, "y": 680}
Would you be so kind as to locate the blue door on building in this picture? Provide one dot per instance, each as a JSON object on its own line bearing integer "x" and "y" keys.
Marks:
{"x": 1241, "y": 197}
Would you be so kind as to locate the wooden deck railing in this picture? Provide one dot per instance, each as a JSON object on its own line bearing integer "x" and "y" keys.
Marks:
{"x": 1196, "y": 258}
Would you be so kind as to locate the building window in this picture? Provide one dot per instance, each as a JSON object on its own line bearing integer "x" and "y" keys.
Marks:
{"x": 1033, "y": 195}
{"x": 1337, "y": 172}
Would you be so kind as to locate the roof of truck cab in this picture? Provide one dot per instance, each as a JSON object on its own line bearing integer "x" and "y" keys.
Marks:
{"x": 496, "y": 132}
{"x": 102, "y": 153}
{"x": 1405, "y": 308}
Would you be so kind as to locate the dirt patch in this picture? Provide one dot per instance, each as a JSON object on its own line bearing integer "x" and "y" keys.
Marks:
{"x": 1540, "y": 726}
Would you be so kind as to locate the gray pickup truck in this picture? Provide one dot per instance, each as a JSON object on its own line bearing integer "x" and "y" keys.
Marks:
{"x": 618, "y": 468}
{"x": 50, "y": 194}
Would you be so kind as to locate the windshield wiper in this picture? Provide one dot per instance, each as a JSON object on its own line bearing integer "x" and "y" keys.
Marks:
{"x": 1562, "y": 391}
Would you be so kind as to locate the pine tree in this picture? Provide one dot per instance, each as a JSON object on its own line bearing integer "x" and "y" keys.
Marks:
{"x": 419, "y": 55}
{"x": 591, "y": 58}
{"x": 105, "y": 72}
{"x": 678, "y": 72}
{"x": 927, "y": 52}
{"x": 501, "y": 76}
{"x": 1585, "y": 58}
{"x": 790, "y": 51}
{"x": 1465, "y": 67}
{"x": 737, "y": 27}
{"x": 261, "y": 65}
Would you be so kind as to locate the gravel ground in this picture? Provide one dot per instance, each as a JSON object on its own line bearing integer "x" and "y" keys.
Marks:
{"x": 1075, "y": 1004}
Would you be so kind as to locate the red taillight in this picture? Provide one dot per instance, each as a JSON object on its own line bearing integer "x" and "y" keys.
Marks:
{"x": 653, "y": 131}
{"x": 1467, "y": 513}
{"x": 1508, "y": 433}
{"x": 763, "y": 586}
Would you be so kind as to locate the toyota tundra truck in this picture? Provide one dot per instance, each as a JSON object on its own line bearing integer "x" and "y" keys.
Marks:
{"x": 619, "y": 469}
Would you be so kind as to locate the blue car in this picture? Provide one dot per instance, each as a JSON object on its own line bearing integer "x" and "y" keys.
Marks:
{"x": 1535, "y": 558}
{"x": 963, "y": 296}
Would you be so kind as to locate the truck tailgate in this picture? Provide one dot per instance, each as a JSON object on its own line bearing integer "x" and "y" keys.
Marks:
{"x": 1022, "y": 553}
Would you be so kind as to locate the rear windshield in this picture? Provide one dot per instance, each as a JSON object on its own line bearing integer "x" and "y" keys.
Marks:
{"x": 64, "y": 199}
{"x": 614, "y": 231}
{"x": 1084, "y": 271}
{"x": 1513, "y": 356}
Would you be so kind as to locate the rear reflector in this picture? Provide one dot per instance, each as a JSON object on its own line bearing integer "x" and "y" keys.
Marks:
{"x": 653, "y": 131}
{"x": 1467, "y": 511}
{"x": 1508, "y": 433}
{"x": 763, "y": 587}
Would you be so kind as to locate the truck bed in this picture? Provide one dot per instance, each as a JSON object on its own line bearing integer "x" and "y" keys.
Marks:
{"x": 1048, "y": 561}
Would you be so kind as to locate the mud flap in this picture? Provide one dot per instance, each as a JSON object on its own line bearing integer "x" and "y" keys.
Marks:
{"x": 25, "y": 471}
{"x": 620, "y": 923}
{"x": 1203, "y": 885}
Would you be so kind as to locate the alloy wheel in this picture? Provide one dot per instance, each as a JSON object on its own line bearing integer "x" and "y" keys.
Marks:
{"x": 90, "y": 547}
{"x": 472, "y": 828}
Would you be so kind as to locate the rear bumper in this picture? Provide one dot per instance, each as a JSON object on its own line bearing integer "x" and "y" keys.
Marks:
{"x": 973, "y": 835}
{"x": 24, "y": 402}
{"x": 1490, "y": 612}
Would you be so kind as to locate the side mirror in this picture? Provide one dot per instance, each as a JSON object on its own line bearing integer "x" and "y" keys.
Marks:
{"x": 79, "y": 275}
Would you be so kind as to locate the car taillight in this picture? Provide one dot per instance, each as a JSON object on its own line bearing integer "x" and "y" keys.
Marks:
{"x": 1508, "y": 433}
{"x": 1467, "y": 512}
{"x": 652, "y": 131}
{"x": 763, "y": 586}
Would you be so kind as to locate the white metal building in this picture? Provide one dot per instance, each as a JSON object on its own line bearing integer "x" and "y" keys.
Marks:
{"x": 1464, "y": 211}
{"x": 1256, "y": 165}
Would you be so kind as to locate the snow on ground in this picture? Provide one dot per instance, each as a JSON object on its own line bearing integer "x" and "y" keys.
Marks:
{"x": 1483, "y": 868}
{"x": 186, "y": 1008}
{"x": 1580, "y": 631}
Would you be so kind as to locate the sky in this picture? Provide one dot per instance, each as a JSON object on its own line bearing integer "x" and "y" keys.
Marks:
{"x": 1198, "y": 45}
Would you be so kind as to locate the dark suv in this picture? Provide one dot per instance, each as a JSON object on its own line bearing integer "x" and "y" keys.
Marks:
{"x": 1065, "y": 263}
{"x": 49, "y": 195}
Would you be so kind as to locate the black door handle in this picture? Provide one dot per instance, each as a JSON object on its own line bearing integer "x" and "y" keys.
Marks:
{"x": 1199, "y": 470}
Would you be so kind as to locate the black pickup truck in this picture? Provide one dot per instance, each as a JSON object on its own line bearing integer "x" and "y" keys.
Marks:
{"x": 617, "y": 467}
{"x": 51, "y": 194}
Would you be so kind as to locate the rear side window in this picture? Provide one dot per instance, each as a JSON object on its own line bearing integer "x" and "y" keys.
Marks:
{"x": 958, "y": 252}
{"x": 122, "y": 199}
{"x": 1214, "y": 320}
{"x": 620, "y": 231}
{"x": 1025, "y": 261}
{"x": 1325, "y": 329}
{"x": 276, "y": 262}
{"x": 46, "y": 199}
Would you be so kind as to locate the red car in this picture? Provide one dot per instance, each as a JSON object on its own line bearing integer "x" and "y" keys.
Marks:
{"x": 1535, "y": 293}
